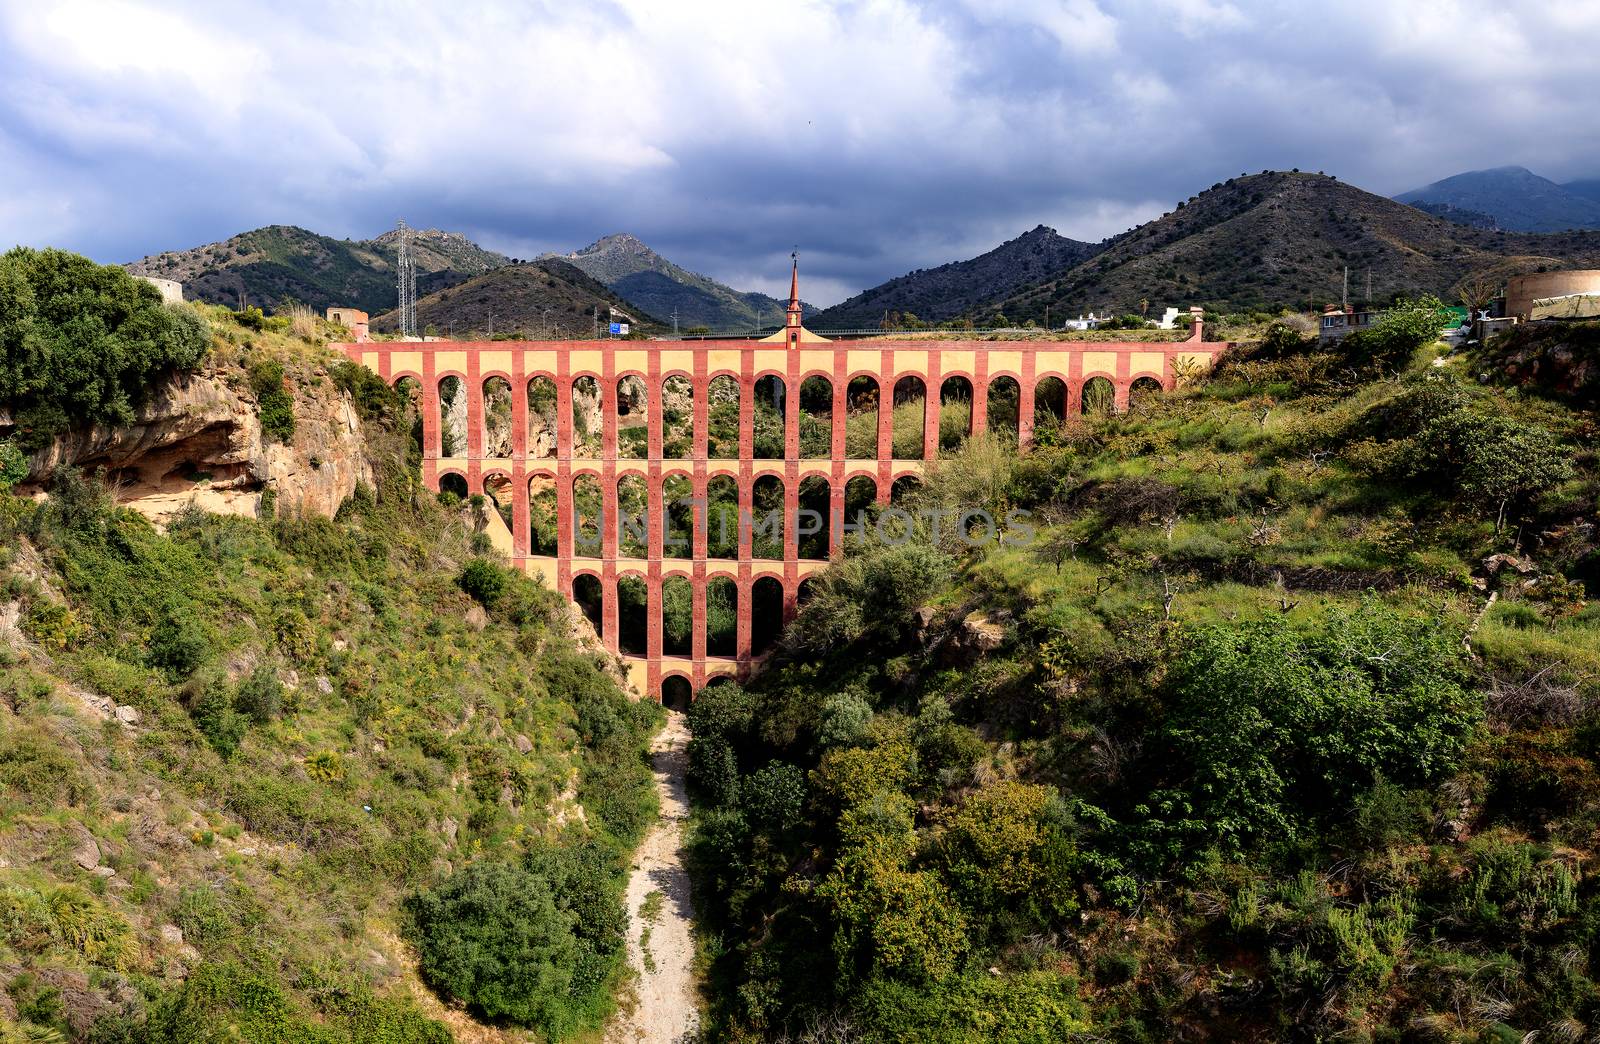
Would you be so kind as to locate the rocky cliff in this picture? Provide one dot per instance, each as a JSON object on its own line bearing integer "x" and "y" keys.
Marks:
{"x": 198, "y": 440}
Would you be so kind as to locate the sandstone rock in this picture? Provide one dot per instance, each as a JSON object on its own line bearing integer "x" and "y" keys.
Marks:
{"x": 477, "y": 619}
{"x": 198, "y": 440}
{"x": 86, "y": 852}
{"x": 324, "y": 686}
{"x": 449, "y": 828}
{"x": 104, "y": 871}
{"x": 290, "y": 678}
{"x": 171, "y": 935}
{"x": 127, "y": 715}
{"x": 524, "y": 744}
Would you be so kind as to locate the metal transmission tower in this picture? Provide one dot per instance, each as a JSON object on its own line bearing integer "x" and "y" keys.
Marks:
{"x": 407, "y": 275}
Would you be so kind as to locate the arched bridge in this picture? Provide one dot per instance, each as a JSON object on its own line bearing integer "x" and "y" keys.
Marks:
{"x": 664, "y": 438}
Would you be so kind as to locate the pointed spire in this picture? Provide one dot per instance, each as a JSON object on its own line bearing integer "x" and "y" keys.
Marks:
{"x": 794, "y": 282}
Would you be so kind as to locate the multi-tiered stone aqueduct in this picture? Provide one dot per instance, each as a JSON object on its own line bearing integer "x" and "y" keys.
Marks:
{"x": 560, "y": 435}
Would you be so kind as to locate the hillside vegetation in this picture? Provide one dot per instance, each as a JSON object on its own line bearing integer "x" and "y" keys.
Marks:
{"x": 279, "y": 263}
{"x": 1282, "y": 239}
{"x": 254, "y": 772}
{"x": 1274, "y": 720}
{"x": 547, "y": 298}
{"x": 955, "y": 289}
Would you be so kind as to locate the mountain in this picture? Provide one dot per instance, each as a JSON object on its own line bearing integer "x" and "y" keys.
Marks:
{"x": 936, "y": 294}
{"x": 1515, "y": 197}
{"x": 1588, "y": 188}
{"x": 1460, "y": 215}
{"x": 657, "y": 286}
{"x": 1281, "y": 239}
{"x": 283, "y": 262}
{"x": 547, "y": 297}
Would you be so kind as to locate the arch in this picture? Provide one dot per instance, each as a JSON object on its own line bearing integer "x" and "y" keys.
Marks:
{"x": 1049, "y": 403}
{"x": 955, "y": 411}
{"x": 722, "y": 517}
{"x": 678, "y": 516}
{"x": 541, "y": 394}
{"x": 589, "y": 596}
{"x": 633, "y": 418}
{"x": 677, "y": 616}
{"x": 588, "y": 522}
{"x": 766, "y": 613}
{"x": 908, "y": 417}
{"x": 633, "y": 615}
{"x": 453, "y": 488}
{"x": 768, "y": 423}
{"x": 409, "y": 390}
{"x": 722, "y": 429}
{"x": 722, "y": 616}
{"x": 497, "y": 421}
{"x": 1005, "y": 399}
{"x": 816, "y": 418}
{"x": 1142, "y": 390}
{"x": 633, "y": 517}
{"x": 766, "y": 512}
{"x": 806, "y": 590}
{"x": 452, "y": 416}
{"x": 676, "y": 693}
{"x": 860, "y": 494}
{"x": 497, "y": 490}
{"x": 814, "y": 520}
{"x": 861, "y": 418}
{"x": 543, "y": 531}
{"x": 677, "y": 417}
{"x": 1099, "y": 397}
{"x": 903, "y": 487}
{"x": 588, "y": 423}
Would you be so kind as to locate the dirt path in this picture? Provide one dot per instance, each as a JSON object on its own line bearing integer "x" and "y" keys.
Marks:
{"x": 660, "y": 946}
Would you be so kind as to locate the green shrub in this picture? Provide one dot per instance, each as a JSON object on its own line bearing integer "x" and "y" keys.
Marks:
{"x": 83, "y": 343}
{"x": 484, "y": 581}
{"x": 178, "y": 645}
{"x": 260, "y": 695}
{"x": 492, "y": 937}
{"x": 273, "y": 401}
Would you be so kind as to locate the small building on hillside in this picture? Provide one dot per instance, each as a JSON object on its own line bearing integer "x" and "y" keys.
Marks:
{"x": 1337, "y": 325}
{"x": 352, "y": 319}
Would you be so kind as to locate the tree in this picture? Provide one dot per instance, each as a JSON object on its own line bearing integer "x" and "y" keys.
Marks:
{"x": 1476, "y": 292}
{"x": 13, "y": 466}
{"x": 1506, "y": 461}
{"x": 83, "y": 343}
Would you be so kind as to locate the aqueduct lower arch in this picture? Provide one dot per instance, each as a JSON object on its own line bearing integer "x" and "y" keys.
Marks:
{"x": 588, "y": 375}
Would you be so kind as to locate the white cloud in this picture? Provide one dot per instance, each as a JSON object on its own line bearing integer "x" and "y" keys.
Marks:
{"x": 880, "y": 134}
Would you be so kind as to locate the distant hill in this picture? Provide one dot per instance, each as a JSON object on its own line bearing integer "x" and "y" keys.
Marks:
{"x": 282, "y": 262}
{"x": 657, "y": 286}
{"x": 937, "y": 294}
{"x": 549, "y": 297}
{"x": 1517, "y": 199}
{"x": 1283, "y": 239}
{"x": 1459, "y": 215}
{"x": 1588, "y": 188}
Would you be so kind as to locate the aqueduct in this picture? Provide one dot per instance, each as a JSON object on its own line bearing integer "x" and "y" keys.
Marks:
{"x": 794, "y": 420}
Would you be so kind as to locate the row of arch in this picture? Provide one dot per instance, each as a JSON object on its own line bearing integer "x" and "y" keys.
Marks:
{"x": 817, "y": 523}
{"x": 820, "y": 410}
{"x": 719, "y": 631}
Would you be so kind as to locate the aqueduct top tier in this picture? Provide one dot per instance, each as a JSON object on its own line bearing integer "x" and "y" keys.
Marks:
{"x": 647, "y": 426}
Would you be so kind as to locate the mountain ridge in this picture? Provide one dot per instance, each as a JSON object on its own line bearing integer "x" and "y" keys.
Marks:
{"x": 1516, "y": 197}
{"x": 949, "y": 290}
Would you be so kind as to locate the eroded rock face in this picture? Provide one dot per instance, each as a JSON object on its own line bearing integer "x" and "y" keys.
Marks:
{"x": 198, "y": 440}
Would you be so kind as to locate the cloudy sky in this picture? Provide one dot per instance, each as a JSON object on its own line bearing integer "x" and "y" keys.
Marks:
{"x": 877, "y": 136}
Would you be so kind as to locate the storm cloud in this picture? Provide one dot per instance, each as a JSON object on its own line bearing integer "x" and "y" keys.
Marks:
{"x": 875, "y": 136}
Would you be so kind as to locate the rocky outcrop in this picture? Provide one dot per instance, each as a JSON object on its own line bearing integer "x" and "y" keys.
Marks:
{"x": 198, "y": 440}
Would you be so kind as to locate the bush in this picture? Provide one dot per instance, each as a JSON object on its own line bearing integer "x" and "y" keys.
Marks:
{"x": 484, "y": 581}
{"x": 492, "y": 937}
{"x": 260, "y": 696}
{"x": 273, "y": 401}
{"x": 83, "y": 343}
{"x": 178, "y": 644}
